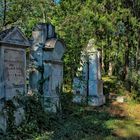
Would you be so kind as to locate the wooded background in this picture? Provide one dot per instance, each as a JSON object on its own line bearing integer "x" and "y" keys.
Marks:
{"x": 114, "y": 24}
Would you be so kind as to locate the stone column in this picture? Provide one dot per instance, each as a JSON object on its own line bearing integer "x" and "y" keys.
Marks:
{"x": 95, "y": 84}
{"x": 80, "y": 82}
{"x": 99, "y": 64}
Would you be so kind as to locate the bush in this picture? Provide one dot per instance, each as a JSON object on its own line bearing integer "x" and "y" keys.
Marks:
{"x": 134, "y": 83}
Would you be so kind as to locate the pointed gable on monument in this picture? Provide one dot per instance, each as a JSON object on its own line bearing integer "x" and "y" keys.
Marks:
{"x": 14, "y": 36}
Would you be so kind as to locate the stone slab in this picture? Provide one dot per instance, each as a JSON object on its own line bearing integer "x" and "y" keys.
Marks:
{"x": 95, "y": 87}
{"x": 96, "y": 100}
{"x": 93, "y": 67}
{"x": 34, "y": 78}
{"x": 14, "y": 71}
{"x": 79, "y": 90}
{"x": 58, "y": 51}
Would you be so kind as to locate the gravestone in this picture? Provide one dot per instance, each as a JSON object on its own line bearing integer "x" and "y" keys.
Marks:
{"x": 91, "y": 85}
{"x": 13, "y": 46}
{"x": 46, "y": 56}
{"x": 80, "y": 85}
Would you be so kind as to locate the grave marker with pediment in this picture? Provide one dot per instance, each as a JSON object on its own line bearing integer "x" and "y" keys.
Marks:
{"x": 13, "y": 46}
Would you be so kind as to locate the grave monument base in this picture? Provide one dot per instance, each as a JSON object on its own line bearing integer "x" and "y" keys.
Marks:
{"x": 79, "y": 99}
{"x": 96, "y": 100}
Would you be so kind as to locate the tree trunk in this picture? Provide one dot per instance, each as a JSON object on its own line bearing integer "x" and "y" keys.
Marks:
{"x": 102, "y": 59}
{"x": 4, "y": 14}
{"x": 126, "y": 64}
{"x": 110, "y": 70}
{"x": 138, "y": 53}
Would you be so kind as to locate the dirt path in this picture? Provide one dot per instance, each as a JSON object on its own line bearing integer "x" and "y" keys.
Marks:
{"x": 128, "y": 123}
{"x": 125, "y": 110}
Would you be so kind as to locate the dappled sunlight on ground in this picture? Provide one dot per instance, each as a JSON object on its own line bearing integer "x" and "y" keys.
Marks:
{"x": 127, "y": 124}
{"x": 112, "y": 121}
{"x": 127, "y": 114}
{"x": 115, "y": 121}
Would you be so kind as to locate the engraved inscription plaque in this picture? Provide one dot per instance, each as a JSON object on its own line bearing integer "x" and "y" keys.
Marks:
{"x": 14, "y": 72}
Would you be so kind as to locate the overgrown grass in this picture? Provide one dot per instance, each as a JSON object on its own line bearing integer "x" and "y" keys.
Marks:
{"x": 77, "y": 122}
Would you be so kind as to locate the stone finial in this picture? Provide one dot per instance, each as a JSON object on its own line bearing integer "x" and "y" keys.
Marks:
{"x": 91, "y": 46}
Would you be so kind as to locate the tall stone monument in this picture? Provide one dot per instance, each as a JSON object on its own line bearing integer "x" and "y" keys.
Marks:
{"x": 13, "y": 46}
{"x": 89, "y": 87}
{"x": 46, "y": 76}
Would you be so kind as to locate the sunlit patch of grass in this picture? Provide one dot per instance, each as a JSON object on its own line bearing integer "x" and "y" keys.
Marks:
{"x": 127, "y": 128}
{"x": 112, "y": 121}
{"x": 111, "y": 79}
{"x": 44, "y": 136}
{"x": 98, "y": 137}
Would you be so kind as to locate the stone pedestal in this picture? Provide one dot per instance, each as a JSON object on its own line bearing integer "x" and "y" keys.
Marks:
{"x": 95, "y": 84}
{"x": 96, "y": 100}
{"x": 96, "y": 97}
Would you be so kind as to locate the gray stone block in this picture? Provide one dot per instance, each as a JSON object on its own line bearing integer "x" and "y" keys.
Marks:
{"x": 13, "y": 46}
{"x": 96, "y": 100}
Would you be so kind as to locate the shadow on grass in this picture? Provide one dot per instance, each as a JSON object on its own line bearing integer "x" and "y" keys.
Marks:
{"x": 84, "y": 123}
{"x": 79, "y": 122}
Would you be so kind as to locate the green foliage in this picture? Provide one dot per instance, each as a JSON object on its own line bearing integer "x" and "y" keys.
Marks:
{"x": 35, "y": 118}
{"x": 115, "y": 26}
{"x": 10, "y": 109}
{"x": 134, "y": 81}
{"x": 73, "y": 123}
{"x": 111, "y": 23}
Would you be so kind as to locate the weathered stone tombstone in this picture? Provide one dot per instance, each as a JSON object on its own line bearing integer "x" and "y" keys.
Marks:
{"x": 91, "y": 85}
{"x": 13, "y": 46}
{"x": 46, "y": 56}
